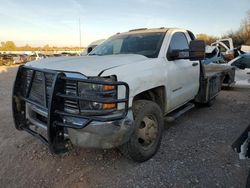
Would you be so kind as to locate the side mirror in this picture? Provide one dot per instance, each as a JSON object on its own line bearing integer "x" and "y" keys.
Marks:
{"x": 178, "y": 54}
{"x": 89, "y": 49}
{"x": 195, "y": 52}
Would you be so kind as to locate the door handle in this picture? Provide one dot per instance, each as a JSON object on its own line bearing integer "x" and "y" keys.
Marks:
{"x": 195, "y": 64}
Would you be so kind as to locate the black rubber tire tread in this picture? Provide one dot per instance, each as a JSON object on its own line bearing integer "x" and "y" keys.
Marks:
{"x": 207, "y": 104}
{"x": 211, "y": 102}
{"x": 130, "y": 149}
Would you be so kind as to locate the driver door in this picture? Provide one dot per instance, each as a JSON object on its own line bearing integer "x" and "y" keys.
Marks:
{"x": 183, "y": 75}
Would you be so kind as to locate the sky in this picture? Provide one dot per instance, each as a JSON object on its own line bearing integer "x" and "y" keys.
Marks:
{"x": 57, "y": 22}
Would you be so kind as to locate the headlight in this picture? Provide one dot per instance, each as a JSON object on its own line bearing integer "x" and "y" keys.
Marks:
{"x": 97, "y": 92}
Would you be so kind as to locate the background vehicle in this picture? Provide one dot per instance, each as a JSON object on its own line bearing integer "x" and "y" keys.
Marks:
{"x": 92, "y": 45}
{"x": 213, "y": 55}
{"x": 118, "y": 95}
{"x": 8, "y": 59}
{"x": 245, "y": 48}
{"x": 36, "y": 56}
{"x": 1, "y": 61}
{"x": 242, "y": 73}
{"x": 225, "y": 45}
{"x": 20, "y": 58}
{"x": 57, "y": 55}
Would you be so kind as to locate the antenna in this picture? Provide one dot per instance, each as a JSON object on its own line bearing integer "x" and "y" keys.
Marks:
{"x": 80, "y": 34}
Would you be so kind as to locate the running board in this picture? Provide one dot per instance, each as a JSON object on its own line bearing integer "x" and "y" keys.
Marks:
{"x": 178, "y": 112}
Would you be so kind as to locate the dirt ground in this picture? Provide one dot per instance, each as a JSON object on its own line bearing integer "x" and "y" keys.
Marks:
{"x": 195, "y": 151}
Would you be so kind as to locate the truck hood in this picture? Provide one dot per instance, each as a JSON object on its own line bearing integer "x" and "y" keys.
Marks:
{"x": 87, "y": 65}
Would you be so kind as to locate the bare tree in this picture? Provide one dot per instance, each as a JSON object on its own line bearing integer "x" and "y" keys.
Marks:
{"x": 242, "y": 35}
{"x": 208, "y": 39}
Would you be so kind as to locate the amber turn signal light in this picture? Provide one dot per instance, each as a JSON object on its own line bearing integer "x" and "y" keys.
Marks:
{"x": 108, "y": 87}
{"x": 109, "y": 106}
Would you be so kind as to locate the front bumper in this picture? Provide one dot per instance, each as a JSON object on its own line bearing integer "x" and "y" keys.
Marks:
{"x": 49, "y": 114}
{"x": 103, "y": 134}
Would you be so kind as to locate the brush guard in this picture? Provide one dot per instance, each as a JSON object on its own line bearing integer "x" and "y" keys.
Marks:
{"x": 54, "y": 106}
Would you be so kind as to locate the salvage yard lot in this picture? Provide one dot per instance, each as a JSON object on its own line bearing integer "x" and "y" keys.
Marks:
{"x": 195, "y": 151}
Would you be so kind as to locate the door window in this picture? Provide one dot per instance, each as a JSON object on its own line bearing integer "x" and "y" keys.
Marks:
{"x": 178, "y": 42}
{"x": 222, "y": 48}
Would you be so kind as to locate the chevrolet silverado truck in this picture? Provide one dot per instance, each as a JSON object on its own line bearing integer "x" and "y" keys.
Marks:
{"x": 118, "y": 95}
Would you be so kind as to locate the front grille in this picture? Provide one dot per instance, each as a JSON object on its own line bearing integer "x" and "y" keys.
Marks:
{"x": 37, "y": 89}
{"x": 49, "y": 81}
{"x": 40, "y": 87}
{"x": 71, "y": 106}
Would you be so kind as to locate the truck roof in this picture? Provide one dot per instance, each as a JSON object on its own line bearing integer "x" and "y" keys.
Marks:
{"x": 147, "y": 30}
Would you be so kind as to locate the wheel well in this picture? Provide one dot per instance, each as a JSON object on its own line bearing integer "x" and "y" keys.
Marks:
{"x": 155, "y": 94}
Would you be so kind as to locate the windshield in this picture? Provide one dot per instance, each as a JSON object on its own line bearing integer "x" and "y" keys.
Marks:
{"x": 147, "y": 44}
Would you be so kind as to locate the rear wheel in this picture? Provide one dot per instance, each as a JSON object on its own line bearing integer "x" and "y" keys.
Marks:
{"x": 147, "y": 135}
{"x": 210, "y": 103}
{"x": 207, "y": 104}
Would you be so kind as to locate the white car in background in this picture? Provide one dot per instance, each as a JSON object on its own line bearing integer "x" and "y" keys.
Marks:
{"x": 94, "y": 44}
{"x": 91, "y": 46}
{"x": 242, "y": 73}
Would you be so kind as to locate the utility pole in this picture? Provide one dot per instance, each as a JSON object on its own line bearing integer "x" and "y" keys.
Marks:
{"x": 80, "y": 34}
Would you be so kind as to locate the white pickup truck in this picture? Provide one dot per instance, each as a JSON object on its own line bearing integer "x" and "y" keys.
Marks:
{"x": 117, "y": 95}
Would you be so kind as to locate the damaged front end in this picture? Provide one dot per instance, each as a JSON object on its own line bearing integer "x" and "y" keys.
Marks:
{"x": 90, "y": 111}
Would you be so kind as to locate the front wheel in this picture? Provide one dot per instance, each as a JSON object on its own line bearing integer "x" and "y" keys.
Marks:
{"x": 149, "y": 125}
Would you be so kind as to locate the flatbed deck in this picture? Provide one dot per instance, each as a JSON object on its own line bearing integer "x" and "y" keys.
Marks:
{"x": 227, "y": 72}
{"x": 213, "y": 77}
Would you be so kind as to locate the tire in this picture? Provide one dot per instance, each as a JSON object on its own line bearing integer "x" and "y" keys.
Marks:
{"x": 207, "y": 104}
{"x": 146, "y": 138}
{"x": 210, "y": 103}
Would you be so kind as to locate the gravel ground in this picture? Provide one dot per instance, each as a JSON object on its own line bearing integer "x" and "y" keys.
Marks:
{"x": 195, "y": 151}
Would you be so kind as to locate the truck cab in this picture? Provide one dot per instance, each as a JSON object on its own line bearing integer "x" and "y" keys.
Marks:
{"x": 117, "y": 95}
